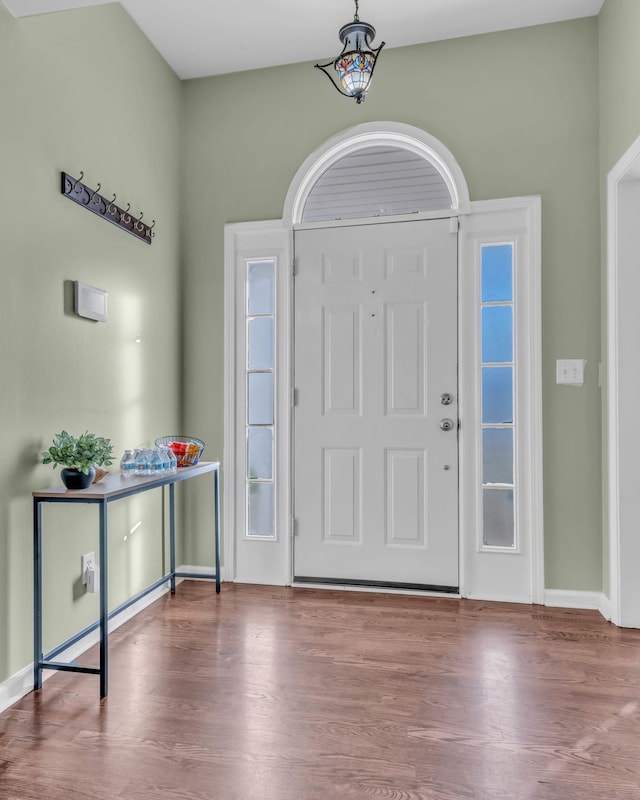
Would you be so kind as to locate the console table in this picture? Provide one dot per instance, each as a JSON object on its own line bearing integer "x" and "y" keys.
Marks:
{"x": 112, "y": 487}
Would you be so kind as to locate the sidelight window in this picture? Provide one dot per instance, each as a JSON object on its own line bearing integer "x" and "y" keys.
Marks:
{"x": 260, "y": 394}
{"x": 497, "y": 421}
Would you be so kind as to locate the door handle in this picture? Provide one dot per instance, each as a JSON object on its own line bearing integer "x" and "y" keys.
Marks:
{"x": 446, "y": 424}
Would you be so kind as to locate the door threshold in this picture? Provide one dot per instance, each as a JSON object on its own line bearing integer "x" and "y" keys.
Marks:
{"x": 357, "y": 585}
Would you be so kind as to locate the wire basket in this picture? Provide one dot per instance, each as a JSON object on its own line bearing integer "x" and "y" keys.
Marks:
{"x": 187, "y": 449}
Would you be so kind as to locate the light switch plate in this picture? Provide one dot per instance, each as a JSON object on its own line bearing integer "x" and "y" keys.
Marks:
{"x": 570, "y": 371}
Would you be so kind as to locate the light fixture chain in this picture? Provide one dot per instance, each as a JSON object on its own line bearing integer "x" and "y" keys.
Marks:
{"x": 356, "y": 18}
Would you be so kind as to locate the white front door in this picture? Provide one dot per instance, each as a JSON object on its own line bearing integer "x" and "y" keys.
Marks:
{"x": 375, "y": 427}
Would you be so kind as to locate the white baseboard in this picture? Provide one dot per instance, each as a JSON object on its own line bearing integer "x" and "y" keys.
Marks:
{"x": 20, "y": 684}
{"x": 257, "y": 581}
{"x": 605, "y": 607}
{"x": 206, "y": 572}
{"x": 16, "y": 687}
{"x": 561, "y": 598}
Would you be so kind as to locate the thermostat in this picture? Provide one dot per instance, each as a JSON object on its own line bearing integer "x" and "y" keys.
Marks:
{"x": 90, "y": 302}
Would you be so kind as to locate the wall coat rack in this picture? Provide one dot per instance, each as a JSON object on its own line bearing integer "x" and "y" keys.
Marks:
{"x": 91, "y": 199}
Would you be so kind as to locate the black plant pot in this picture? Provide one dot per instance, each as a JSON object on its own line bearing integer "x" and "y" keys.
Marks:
{"x": 74, "y": 479}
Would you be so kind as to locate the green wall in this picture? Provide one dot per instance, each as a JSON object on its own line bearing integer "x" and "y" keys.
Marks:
{"x": 619, "y": 30}
{"x": 82, "y": 90}
{"x": 519, "y": 110}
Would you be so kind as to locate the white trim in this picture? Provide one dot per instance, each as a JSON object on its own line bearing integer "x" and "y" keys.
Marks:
{"x": 368, "y": 134}
{"x": 494, "y": 221}
{"x": 268, "y": 560}
{"x": 621, "y": 406}
{"x": 15, "y": 687}
{"x": 230, "y": 367}
{"x": 260, "y": 580}
{"x": 612, "y": 388}
{"x": 525, "y": 215}
{"x": 349, "y": 223}
{"x": 206, "y": 572}
{"x": 534, "y": 443}
{"x": 590, "y": 601}
{"x": 605, "y": 606}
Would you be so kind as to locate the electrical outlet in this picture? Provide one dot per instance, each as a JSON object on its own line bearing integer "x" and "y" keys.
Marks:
{"x": 88, "y": 561}
{"x": 93, "y": 580}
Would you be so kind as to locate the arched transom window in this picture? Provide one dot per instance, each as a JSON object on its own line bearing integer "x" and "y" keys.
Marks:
{"x": 377, "y": 181}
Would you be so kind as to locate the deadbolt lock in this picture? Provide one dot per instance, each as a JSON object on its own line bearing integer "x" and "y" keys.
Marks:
{"x": 446, "y": 399}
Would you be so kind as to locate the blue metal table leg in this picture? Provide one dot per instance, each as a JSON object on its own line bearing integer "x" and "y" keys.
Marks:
{"x": 172, "y": 535}
{"x": 216, "y": 500}
{"x": 104, "y": 602}
{"x": 37, "y": 594}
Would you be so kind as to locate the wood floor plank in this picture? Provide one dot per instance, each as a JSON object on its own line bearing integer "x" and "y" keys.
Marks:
{"x": 273, "y": 693}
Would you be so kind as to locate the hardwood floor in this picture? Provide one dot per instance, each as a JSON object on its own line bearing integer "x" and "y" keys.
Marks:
{"x": 296, "y": 694}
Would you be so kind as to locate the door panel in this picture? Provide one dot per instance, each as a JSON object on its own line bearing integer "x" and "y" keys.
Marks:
{"x": 341, "y": 360}
{"x": 342, "y": 469}
{"x": 376, "y": 479}
{"x": 405, "y": 359}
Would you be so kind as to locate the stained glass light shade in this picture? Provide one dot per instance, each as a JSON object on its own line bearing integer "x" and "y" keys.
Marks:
{"x": 353, "y": 68}
{"x": 354, "y": 73}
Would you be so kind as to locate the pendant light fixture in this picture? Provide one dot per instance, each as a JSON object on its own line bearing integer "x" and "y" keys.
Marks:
{"x": 354, "y": 66}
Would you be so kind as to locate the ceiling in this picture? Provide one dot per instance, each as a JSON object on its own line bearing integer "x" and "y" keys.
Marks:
{"x": 210, "y": 37}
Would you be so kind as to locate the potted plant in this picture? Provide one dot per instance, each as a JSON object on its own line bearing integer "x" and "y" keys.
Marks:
{"x": 79, "y": 456}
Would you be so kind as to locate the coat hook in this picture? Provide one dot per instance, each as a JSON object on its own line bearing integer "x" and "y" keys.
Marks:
{"x": 78, "y": 191}
{"x": 96, "y": 199}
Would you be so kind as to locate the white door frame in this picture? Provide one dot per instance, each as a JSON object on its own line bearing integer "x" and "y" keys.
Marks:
{"x": 498, "y": 573}
{"x": 623, "y": 386}
{"x": 247, "y": 237}
{"x": 249, "y": 561}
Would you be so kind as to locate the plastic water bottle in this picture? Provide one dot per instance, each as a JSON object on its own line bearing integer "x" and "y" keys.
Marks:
{"x": 155, "y": 463}
{"x": 173, "y": 461}
{"x": 128, "y": 464}
{"x": 164, "y": 457}
{"x": 142, "y": 463}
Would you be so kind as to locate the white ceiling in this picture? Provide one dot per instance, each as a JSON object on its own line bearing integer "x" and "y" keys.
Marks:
{"x": 209, "y": 37}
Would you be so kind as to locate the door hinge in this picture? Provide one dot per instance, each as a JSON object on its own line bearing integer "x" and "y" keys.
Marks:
{"x": 294, "y": 397}
{"x": 294, "y": 268}
{"x": 454, "y": 224}
{"x": 294, "y": 526}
